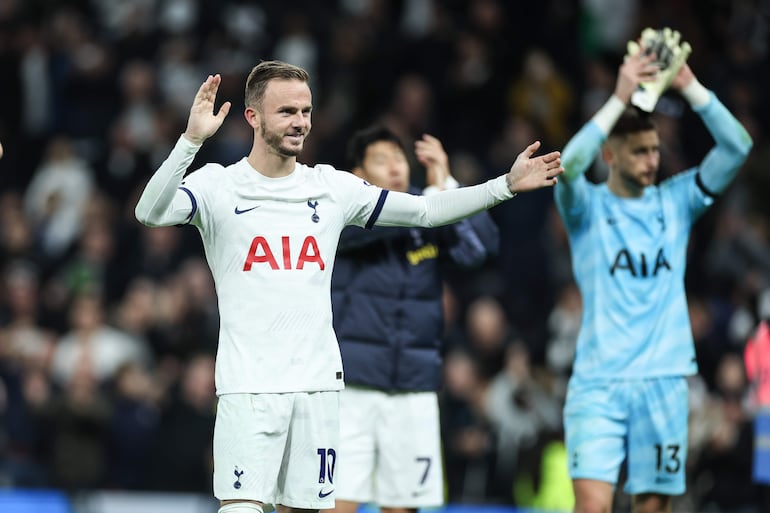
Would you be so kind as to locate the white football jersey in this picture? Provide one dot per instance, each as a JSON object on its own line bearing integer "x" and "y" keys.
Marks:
{"x": 271, "y": 244}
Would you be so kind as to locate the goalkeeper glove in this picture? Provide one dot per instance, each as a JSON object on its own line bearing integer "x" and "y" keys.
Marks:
{"x": 670, "y": 55}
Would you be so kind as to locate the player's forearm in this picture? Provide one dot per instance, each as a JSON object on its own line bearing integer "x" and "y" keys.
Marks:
{"x": 733, "y": 143}
{"x": 446, "y": 207}
{"x": 161, "y": 203}
{"x": 582, "y": 149}
{"x": 475, "y": 238}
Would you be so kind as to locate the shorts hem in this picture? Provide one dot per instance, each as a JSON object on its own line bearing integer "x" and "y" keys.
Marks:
{"x": 412, "y": 505}
{"x": 660, "y": 491}
{"x": 593, "y": 477}
{"x": 307, "y": 504}
{"x": 397, "y": 504}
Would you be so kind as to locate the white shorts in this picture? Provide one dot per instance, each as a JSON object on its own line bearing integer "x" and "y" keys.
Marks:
{"x": 277, "y": 448}
{"x": 390, "y": 449}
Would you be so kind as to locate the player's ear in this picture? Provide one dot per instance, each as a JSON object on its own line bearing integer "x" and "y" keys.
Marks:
{"x": 608, "y": 155}
{"x": 252, "y": 116}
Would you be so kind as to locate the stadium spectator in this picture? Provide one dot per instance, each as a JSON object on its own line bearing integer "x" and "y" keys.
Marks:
{"x": 469, "y": 442}
{"x": 757, "y": 362}
{"x": 524, "y": 413}
{"x": 92, "y": 344}
{"x": 56, "y": 198}
{"x": 135, "y": 399}
{"x": 724, "y": 458}
{"x": 487, "y": 334}
{"x": 180, "y": 453}
{"x": 78, "y": 423}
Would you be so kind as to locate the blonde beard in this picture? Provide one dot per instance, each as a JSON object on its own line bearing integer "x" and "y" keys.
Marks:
{"x": 274, "y": 141}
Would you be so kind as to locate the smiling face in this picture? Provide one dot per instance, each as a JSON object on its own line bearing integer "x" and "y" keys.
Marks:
{"x": 633, "y": 160}
{"x": 385, "y": 165}
{"x": 282, "y": 118}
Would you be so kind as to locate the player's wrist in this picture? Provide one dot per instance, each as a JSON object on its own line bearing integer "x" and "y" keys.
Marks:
{"x": 696, "y": 94}
{"x": 608, "y": 115}
{"x": 186, "y": 144}
{"x": 507, "y": 183}
{"x": 193, "y": 140}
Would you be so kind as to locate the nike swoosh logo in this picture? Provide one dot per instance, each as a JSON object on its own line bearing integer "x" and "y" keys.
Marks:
{"x": 237, "y": 211}
{"x": 322, "y": 495}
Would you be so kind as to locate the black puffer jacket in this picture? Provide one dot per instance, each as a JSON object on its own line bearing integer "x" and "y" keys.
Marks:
{"x": 386, "y": 299}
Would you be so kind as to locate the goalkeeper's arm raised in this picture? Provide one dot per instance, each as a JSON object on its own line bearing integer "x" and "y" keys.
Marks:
{"x": 582, "y": 149}
{"x": 733, "y": 142}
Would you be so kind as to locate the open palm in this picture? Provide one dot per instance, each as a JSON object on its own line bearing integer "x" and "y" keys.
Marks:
{"x": 203, "y": 123}
{"x": 529, "y": 173}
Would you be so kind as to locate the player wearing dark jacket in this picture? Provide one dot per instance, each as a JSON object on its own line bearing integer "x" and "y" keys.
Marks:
{"x": 388, "y": 317}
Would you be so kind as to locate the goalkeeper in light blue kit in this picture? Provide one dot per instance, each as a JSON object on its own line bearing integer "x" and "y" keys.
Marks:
{"x": 627, "y": 398}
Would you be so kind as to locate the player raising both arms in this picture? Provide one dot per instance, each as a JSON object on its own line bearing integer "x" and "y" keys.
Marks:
{"x": 627, "y": 397}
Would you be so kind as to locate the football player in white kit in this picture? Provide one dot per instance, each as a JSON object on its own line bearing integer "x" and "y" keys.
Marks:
{"x": 270, "y": 228}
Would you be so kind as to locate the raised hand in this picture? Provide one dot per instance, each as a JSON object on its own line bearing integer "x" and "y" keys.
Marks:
{"x": 529, "y": 173}
{"x": 203, "y": 123}
{"x": 637, "y": 67}
{"x": 670, "y": 54}
{"x": 431, "y": 154}
{"x": 683, "y": 78}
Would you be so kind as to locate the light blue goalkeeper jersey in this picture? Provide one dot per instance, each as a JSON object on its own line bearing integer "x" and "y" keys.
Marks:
{"x": 629, "y": 255}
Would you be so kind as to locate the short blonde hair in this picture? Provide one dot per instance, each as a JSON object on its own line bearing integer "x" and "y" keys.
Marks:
{"x": 264, "y": 72}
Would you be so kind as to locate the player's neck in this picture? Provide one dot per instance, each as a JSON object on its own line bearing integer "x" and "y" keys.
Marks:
{"x": 624, "y": 188}
{"x": 269, "y": 163}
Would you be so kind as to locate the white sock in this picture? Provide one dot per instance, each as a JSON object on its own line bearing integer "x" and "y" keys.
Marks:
{"x": 241, "y": 507}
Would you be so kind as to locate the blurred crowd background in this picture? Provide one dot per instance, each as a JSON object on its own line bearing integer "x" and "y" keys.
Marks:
{"x": 108, "y": 329}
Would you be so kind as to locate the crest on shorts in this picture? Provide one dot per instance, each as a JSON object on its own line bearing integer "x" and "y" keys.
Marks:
{"x": 238, "y": 474}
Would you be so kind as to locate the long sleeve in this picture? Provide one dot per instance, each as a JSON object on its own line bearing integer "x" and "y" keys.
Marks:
{"x": 578, "y": 155}
{"x": 403, "y": 209}
{"x": 581, "y": 151}
{"x": 162, "y": 202}
{"x": 733, "y": 144}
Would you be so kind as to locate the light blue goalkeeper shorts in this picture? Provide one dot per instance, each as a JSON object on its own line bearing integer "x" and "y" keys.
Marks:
{"x": 640, "y": 421}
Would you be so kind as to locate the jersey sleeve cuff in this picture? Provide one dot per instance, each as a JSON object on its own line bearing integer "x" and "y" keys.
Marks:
{"x": 184, "y": 144}
{"x": 696, "y": 94}
{"x": 608, "y": 115}
{"x": 499, "y": 188}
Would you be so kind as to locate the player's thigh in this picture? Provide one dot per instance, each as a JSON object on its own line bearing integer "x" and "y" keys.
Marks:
{"x": 250, "y": 434}
{"x": 357, "y": 448}
{"x": 657, "y": 440}
{"x": 595, "y": 430}
{"x": 409, "y": 468}
{"x": 307, "y": 477}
